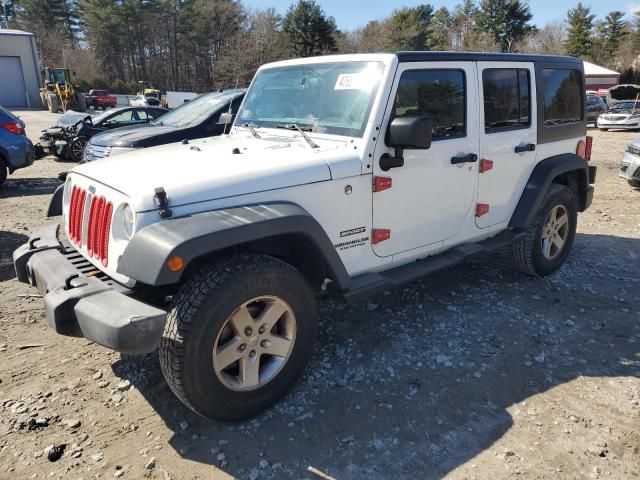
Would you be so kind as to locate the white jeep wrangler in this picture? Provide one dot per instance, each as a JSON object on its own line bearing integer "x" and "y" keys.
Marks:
{"x": 342, "y": 174}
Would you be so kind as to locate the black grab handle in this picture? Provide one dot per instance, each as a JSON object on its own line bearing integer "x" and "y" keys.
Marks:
{"x": 470, "y": 158}
{"x": 530, "y": 147}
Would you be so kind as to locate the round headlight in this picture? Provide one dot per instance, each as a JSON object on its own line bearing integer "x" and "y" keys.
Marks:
{"x": 128, "y": 220}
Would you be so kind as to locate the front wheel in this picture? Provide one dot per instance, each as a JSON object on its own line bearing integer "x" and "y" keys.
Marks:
{"x": 76, "y": 148}
{"x": 238, "y": 335}
{"x": 548, "y": 239}
{"x": 634, "y": 183}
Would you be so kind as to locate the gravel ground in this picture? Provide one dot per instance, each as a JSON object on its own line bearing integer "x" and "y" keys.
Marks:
{"x": 474, "y": 372}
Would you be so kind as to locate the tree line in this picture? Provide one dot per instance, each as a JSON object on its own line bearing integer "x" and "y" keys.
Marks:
{"x": 201, "y": 45}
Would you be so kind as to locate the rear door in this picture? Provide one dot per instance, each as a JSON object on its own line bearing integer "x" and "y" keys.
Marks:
{"x": 507, "y": 137}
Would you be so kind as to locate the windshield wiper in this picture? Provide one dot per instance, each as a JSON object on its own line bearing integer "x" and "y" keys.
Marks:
{"x": 293, "y": 126}
{"x": 252, "y": 129}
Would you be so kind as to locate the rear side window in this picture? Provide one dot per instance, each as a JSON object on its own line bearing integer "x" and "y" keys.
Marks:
{"x": 437, "y": 94}
{"x": 562, "y": 96}
{"x": 507, "y": 102}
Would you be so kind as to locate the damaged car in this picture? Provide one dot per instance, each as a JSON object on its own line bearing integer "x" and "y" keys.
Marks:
{"x": 68, "y": 138}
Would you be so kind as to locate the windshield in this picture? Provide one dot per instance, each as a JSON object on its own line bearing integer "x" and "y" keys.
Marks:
{"x": 326, "y": 97}
{"x": 197, "y": 110}
{"x": 101, "y": 116}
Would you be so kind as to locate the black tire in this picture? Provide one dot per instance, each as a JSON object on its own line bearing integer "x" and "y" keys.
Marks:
{"x": 3, "y": 171}
{"x": 634, "y": 183}
{"x": 200, "y": 311}
{"x": 527, "y": 251}
{"x": 76, "y": 148}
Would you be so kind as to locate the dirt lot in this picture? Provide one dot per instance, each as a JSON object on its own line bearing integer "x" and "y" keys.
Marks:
{"x": 475, "y": 372}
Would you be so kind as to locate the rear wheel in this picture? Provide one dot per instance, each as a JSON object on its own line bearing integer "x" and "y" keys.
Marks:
{"x": 548, "y": 239}
{"x": 238, "y": 335}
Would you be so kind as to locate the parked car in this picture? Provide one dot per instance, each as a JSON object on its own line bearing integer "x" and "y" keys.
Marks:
{"x": 622, "y": 115}
{"x": 195, "y": 119}
{"x": 343, "y": 175}
{"x": 100, "y": 99}
{"x": 16, "y": 150}
{"x": 595, "y": 106}
{"x": 68, "y": 138}
{"x": 630, "y": 167}
{"x": 148, "y": 100}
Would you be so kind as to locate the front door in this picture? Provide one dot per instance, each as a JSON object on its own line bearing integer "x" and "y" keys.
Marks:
{"x": 432, "y": 194}
{"x": 507, "y": 139}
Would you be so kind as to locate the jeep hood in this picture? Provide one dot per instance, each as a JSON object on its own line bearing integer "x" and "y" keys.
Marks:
{"x": 219, "y": 167}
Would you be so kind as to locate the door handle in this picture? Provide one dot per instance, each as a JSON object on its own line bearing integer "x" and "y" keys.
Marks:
{"x": 529, "y": 147}
{"x": 470, "y": 158}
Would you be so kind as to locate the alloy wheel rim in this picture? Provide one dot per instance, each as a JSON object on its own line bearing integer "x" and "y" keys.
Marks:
{"x": 78, "y": 147}
{"x": 555, "y": 232}
{"x": 254, "y": 343}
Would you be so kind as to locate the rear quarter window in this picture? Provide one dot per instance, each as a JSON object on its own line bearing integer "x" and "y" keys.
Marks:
{"x": 562, "y": 96}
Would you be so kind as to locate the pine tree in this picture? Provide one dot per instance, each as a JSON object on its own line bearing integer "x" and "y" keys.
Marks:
{"x": 440, "y": 32}
{"x": 408, "y": 28}
{"x": 613, "y": 31}
{"x": 507, "y": 20}
{"x": 579, "y": 34}
{"x": 309, "y": 29}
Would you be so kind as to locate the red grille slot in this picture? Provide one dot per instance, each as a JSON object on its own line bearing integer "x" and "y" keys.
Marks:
{"x": 79, "y": 215}
{"x": 72, "y": 212}
{"x": 105, "y": 236}
{"x": 90, "y": 231}
{"x": 95, "y": 228}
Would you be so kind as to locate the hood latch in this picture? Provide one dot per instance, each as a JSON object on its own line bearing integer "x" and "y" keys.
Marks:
{"x": 161, "y": 201}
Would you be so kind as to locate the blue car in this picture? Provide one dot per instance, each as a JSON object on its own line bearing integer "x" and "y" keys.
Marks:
{"x": 16, "y": 150}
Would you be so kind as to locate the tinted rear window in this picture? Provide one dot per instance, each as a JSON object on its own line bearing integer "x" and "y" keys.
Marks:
{"x": 562, "y": 96}
{"x": 506, "y": 99}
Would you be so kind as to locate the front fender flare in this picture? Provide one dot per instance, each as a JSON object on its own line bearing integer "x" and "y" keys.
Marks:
{"x": 145, "y": 258}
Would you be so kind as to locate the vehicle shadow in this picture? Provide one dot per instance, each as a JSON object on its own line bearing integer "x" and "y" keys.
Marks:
{"x": 22, "y": 187}
{"x": 418, "y": 381}
{"x": 9, "y": 241}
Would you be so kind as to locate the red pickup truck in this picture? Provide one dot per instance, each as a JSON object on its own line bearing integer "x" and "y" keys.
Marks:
{"x": 100, "y": 99}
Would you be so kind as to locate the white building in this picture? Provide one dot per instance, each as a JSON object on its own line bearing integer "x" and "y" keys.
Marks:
{"x": 19, "y": 69}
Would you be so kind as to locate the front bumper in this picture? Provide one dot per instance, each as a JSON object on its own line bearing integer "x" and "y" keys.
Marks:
{"x": 630, "y": 167}
{"x": 80, "y": 301}
{"x": 619, "y": 125}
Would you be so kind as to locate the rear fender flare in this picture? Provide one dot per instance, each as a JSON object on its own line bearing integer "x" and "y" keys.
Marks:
{"x": 542, "y": 176}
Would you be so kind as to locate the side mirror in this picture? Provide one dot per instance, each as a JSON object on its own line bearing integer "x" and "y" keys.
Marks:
{"x": 410, "y": 132}
{"x": 225, "y": 118}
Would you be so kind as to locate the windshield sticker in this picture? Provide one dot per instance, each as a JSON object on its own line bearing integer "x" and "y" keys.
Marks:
{"x": 352, "y": 81}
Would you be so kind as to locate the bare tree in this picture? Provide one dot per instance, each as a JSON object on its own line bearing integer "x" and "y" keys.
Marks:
{"x": 550, "y": 40}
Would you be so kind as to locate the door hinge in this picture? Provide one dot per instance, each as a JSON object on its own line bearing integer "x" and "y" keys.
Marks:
{"x": 380, "y": 235}
{"x": 482, "y": 209}
{"x": 381, "y": 183}
{"x": 485, "y": 165}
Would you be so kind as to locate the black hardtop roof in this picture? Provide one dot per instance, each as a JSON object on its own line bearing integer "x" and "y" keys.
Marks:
{"x": 484, "y": 57}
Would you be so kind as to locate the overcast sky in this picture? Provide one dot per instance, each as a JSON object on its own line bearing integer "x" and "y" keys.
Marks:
{"x": 350, "y": 14}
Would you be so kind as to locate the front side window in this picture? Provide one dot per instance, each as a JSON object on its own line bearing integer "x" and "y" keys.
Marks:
{"x": 437, "y": 94}
{"x": 562, "y": 96}
{"x": 126, "y": 116}
{"x": 506, "y": 99}
{"x": 333, "y": 98}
